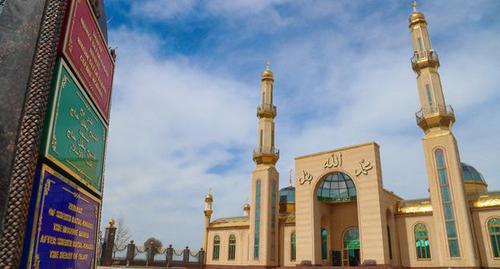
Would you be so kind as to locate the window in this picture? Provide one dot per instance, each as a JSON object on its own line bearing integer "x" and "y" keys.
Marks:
{"x": 449, "y": 218}
{"x": 336, "y": 187}
{"x": 420, "y": 44}
{"x": 351, "y": 247}
{"x": 215, "y": 254}
{"x": 261, "y": 140}
{"x": 231, "y": 255}
{"x": 422, "y": 242}
{"x": 324, "y": 244}
{"x": 429, "y": 94}
{"x": 273, "y": 219}
{"x": 494, "y": 230}
{"x": 293, "y": 247}
{"x": 272, "y": 138}
{"x": 390, "y": 243}
{"x": 257, "y": 222}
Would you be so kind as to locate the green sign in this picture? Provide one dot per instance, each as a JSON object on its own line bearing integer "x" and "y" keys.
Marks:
{"x": 76, "y": 135}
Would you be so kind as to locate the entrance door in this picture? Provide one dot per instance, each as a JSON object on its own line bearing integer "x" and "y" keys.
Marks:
{"x": 350, "y": 250}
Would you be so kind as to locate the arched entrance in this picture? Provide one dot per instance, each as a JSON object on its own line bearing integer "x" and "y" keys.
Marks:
{"x": 350, "y": 247}
{"x": 337, "y": 214}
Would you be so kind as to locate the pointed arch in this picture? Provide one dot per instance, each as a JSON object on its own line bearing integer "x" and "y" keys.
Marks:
{"x": 231, "y": 255}
{"x": 422, "y": 243}
{"x": 216, "y": 248}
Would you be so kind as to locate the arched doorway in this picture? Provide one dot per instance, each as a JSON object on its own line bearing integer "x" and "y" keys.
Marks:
{"x": 336, "y": 207}
{"x": 350, "y": 247}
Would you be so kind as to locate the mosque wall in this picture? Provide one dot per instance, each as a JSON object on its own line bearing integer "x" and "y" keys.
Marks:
{"x": 406, "y": 233}
{"x": 241, "y": 257}
{"x": 480, "y": 218}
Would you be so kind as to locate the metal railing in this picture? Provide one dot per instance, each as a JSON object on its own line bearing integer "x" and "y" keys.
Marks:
{"x": 266, "y": 108}
{"x": 433, "y": 110}
{"x": 266, "y": 151}
{"x": 425, "y": 54}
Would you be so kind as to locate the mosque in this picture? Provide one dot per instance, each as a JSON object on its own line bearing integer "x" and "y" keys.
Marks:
{"x": 339, "y": 214}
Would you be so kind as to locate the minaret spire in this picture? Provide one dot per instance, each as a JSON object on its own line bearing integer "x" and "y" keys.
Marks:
{"x": 266, "y": 152}
{"x": 414, "y": 5}
{"x": 425, "y": 62}
{"x": 450, "y": 211}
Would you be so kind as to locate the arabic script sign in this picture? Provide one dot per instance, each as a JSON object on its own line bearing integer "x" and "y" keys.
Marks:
{"x": 76, "y": 135}
{"x": 65, "y": 222}
{"x": 87, "y": 52}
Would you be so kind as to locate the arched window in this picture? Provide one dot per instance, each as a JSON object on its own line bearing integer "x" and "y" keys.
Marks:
{"x": 351, "y": 247}
{"x": 292, "y": 247}
{"x": 494, "y": 230}
{"x": 336, "y": 187}
{"x": 422, "y": 242}
{"x": 274, "y": 191}
{"x": 449, "y": 217}
{"x": 216, "y": 251}
{"x": 324, "y": 244}
{"x": 257, "y": 222}
{"x": 232, "y": 247}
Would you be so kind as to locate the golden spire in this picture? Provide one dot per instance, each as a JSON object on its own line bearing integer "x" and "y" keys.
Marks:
{"x": 267, "y": 74}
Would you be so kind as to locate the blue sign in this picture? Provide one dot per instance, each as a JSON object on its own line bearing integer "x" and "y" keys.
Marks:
{"x": 64, "y": 220}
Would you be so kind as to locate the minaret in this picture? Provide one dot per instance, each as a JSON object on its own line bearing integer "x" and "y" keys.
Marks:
{"x": 265, "y": 182}
{"x": 451, "y": 214}
{"x": 208, "y": 214}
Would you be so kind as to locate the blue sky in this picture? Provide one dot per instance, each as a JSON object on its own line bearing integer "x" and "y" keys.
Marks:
{"x": 187, "y": 85}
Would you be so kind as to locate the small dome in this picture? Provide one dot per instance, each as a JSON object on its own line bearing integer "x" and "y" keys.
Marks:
{"x": 416, "y": 17}
{"x": 246, "y": 206}
{"x": 287, "y": 195}
{"x": 209, "y": 197}
{"x": 471, "y": 174}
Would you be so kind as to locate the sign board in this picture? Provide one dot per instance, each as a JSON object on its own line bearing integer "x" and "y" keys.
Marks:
{"x": 65, "y": 224}
{"x": 76, "y": 135}
{"x": 86, "y": 51}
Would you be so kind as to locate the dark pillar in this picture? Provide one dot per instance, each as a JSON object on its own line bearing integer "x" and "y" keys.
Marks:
{"x": 185, "y": 257}
{"x": 30, "y": 33}
{"x": 170, "y": 254}
{"x": 150, "y": 253}
{"x": 130, "y": 252}
{"x": 201, "y": 256}
{"x": 109, "y": 243}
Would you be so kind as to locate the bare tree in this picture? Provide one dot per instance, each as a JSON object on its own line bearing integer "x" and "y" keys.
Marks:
{"x": 122, "y": 235}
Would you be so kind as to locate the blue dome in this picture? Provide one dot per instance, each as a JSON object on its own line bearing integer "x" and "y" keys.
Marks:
{"x": 471, "y": 174}
{"x": 287, "y": 195}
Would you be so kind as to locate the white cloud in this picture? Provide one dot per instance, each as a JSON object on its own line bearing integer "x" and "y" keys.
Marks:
{"x": 162, "y": 9}
{"x": 176, "y": 117}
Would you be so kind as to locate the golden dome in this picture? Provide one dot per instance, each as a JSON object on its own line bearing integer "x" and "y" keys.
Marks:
{"x": 209, "y": 197}
{"x": 246, "y": 206}
{"x": 267, "y": 74}
{"x": 416, "y": 17}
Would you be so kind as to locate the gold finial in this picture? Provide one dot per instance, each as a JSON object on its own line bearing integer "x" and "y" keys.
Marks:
{"x": 414, "y": 5}
{"x": 267, "y": 74}
{"x": 111, "y": 223}
{"x": 209, "y": 197}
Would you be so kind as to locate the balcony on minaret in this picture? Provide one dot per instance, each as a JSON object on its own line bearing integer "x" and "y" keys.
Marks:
{"x": 424, "y": 59}
{"x": 435, "y": 116}
{"x": 266, "y": 111}
{"x": 266, "y": 155}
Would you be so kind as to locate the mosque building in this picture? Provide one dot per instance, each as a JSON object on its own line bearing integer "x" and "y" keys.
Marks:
{"x": 339, "y": 214}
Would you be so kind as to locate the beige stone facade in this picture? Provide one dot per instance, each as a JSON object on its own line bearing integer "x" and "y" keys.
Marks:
{"x": 338, "y": 212}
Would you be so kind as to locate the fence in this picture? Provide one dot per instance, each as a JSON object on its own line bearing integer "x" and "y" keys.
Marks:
{"x": 133, "y": 255}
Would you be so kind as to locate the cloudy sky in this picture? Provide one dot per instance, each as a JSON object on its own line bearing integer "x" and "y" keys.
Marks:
{"x": 187, "y": 86}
